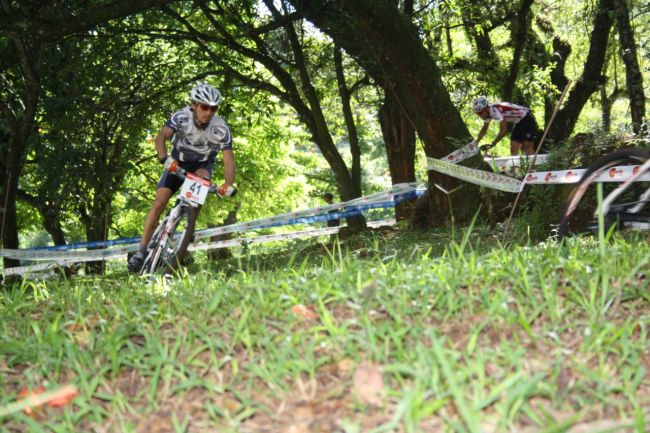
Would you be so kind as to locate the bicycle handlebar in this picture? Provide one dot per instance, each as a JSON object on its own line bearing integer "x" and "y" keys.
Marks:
{"x": 177, "y": 170}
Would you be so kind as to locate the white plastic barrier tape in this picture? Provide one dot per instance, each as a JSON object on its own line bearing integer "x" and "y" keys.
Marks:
{"x": 396, "y": 189}
{"x": 461, "y": 154}
{"x": 509, "y": 184}
{"x": 119, "y": 253}
{"x": 514, "y": 163}
{"x": 101, "y": 253}
{"x": 478, "y": 177}
{"x": 614, "y": 174}
{"x": 68, "y": 256}
{"x": 264, "y": 238}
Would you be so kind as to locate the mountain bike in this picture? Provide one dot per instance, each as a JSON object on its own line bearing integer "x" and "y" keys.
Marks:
{"x": 168, "y": 245}
{"x": 634, "y": 194}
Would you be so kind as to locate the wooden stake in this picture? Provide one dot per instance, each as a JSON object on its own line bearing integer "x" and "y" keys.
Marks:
{"x": 532, "y": 164}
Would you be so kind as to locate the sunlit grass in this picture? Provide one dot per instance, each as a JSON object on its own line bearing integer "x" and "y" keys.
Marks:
{"x": 470, "y": 336}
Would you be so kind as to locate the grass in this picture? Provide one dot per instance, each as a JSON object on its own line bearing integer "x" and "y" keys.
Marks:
{"x": 469, "y": 336}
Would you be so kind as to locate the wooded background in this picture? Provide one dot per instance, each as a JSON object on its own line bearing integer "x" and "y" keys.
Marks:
{"x": 340, "y": 96}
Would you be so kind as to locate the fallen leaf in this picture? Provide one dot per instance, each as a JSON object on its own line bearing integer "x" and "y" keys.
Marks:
{"x": 304, "y": 312}
{"x": 63, "y": 396}
{"x": 369, "y": 383}
{"x": 30, "y": 399}
{"x": 345, "y": 366}
{"x": 297, "y": 428}
{"x": 30, "y": 396}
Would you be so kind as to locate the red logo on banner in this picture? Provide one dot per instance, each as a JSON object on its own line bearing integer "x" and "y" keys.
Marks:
{"x": 636, "y": 169}
{"x": 570, "y": 175}
{"x": 451, "y": 157}
{"x": 549, "y": 176}
{"x": 614, "y": 172}
{"x": 531, "y": 177}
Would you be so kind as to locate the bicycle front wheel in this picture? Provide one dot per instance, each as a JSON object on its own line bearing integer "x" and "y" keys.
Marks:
{"x": 618, "y": 214}
{"x": 170, "y": 241}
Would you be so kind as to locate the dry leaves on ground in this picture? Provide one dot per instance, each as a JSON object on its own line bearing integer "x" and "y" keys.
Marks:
{"x": 369, "y": 383}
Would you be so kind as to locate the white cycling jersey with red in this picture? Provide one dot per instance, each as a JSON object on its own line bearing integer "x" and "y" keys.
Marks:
{"x": 193, "y": 144}
{"x": 512, "y": 113}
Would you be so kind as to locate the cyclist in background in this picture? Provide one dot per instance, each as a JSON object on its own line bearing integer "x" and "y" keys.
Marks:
{"x": 524, "y": 132}
{"x": 197, "y": 136}
{"x": 329, "y": 199}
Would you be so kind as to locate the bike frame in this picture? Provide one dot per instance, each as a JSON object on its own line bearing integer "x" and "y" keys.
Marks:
{"x": 162, "y": 234}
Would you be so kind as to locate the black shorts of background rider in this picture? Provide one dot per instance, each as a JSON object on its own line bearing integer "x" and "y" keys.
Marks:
{"x": 173, "y": 182}
{"x": 525, "y": 130}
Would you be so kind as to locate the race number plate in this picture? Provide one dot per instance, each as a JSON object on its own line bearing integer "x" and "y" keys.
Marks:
{"x": 195, "y": 189}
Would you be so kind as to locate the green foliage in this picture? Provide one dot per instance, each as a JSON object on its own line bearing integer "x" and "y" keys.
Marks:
{"x": 106, "y": 90}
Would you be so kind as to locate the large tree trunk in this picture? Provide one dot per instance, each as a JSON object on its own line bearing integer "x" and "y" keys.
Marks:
{"x": 633, "y": 76}
{"x": 20, "y": 115}
{"x": 387, "y": 44}
{"x": 96, "y": 227}
{"x": 561, "y": 52}
{"x": 399, "y": 137}
{"x": 9, "y": 223}
{"x": 591, "y": 79}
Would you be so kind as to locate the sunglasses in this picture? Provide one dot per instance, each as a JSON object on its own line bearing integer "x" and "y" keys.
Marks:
{"x": 206, "y": 107}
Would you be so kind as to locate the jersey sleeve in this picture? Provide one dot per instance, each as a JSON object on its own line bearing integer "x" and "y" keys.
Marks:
{"x": 221, "y": 135}
{"x": 178, "y": 120}
{"x": 495, "y": 114}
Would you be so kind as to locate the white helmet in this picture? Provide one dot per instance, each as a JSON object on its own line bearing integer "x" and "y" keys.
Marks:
{"x": 480, "y": 104}
{"x": 204, "y": 93}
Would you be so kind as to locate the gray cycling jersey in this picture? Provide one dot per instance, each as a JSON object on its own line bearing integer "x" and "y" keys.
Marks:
{"x": 191, "y": 144}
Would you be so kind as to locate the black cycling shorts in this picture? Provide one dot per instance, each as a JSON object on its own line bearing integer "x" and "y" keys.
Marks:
{"x": 173, "y": 182}
{"x": 525, "y": 129}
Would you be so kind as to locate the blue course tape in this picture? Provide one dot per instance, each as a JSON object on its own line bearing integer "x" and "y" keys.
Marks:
{"x": 347, "y": 212}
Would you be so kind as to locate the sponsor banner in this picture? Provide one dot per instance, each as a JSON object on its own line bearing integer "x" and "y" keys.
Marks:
{"x": 614, "y": 174}
{"x": 478, "y": 177}
{"x": 461, "y": 154}
{"x": 512, "y": 164}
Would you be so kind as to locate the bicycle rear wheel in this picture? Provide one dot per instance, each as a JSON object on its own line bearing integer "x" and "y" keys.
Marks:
{"x": 167, "y": 248}
{"x": 621, "y": 214}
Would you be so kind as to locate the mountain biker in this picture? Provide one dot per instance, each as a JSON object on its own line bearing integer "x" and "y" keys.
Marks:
{"x": 197, "y": 136}
{"x": 524, "y": 131}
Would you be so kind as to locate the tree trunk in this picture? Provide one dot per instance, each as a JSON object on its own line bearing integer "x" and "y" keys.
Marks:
{"x": 633, "y": 76}
{"x": 518, "y": 35}
{"x": 592, "y": 76}
{"x": 607, "y": 101}
{"x": 9, "y": 224}
{"x": 399, "y": 138}
{"x": 224, "y": 253}
{"x": 388, "y": 46}
{"x": 49, "y": 213}
{"x": 96, "y": 227}
{"x": 357, "y": 222}
{"x": 606, "y": 110}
